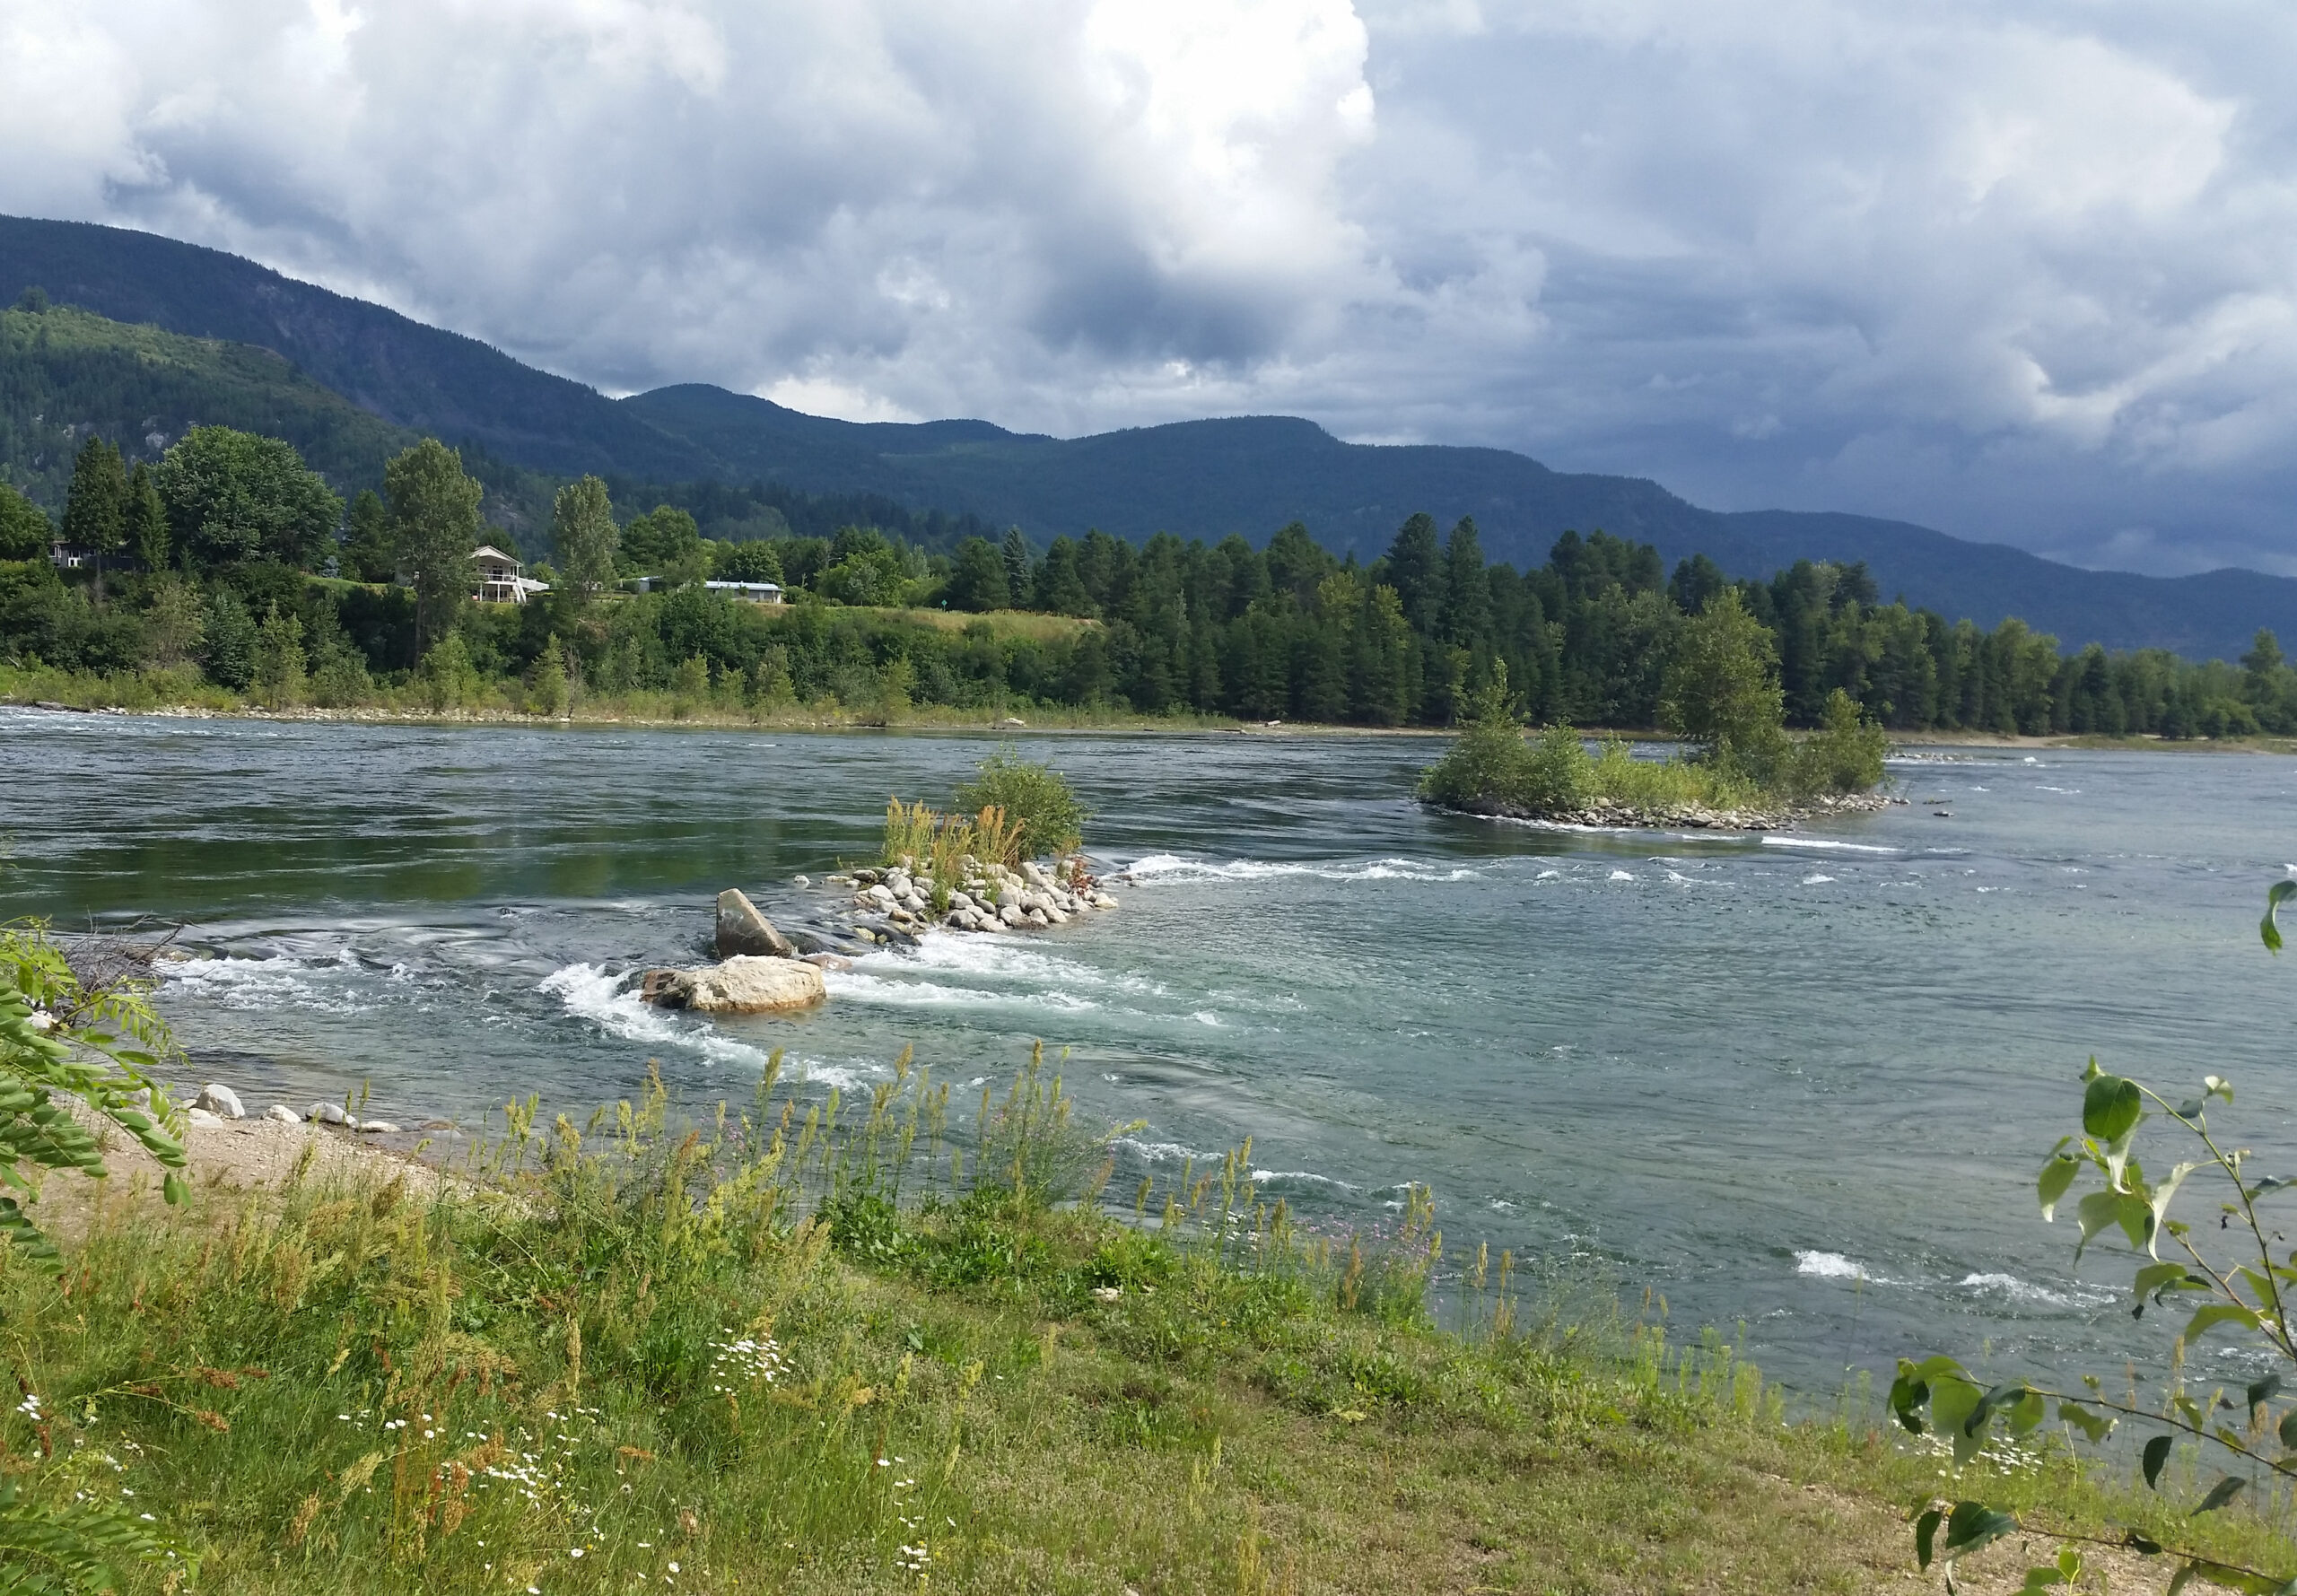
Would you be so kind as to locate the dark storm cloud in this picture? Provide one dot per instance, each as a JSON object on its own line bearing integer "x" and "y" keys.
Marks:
{"x": 2025, "y": 271}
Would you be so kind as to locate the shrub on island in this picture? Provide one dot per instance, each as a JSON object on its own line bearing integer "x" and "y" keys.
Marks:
{"x": 1722, "y": 697}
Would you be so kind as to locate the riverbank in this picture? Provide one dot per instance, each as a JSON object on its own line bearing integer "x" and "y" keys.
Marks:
{"x": 1606, "y": 815}
{"x": 687, "y": 1361}
{"x": 177, "y": 695}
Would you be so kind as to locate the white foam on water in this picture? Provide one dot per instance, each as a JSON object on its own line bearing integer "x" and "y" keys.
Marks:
{"x": 1262, "y": 1176}
{"x": 864, "y": 986}
{"x": 279, "y": 981}
{"x": 1171, "y": 867}
{"x": 1158, "y": 1152}
{"x": 1828, "y": 845}
{"x": 1621, "y": 876}
{"x": 2069, "y": 791}
{"x": 1816, "y": 880}
{"x": 595, "y": 993}
{"x": 1557, "y": 874}
{"x": 2020, "y": 1291}
{"x": 995, "y": 957}
{"x": 1829, "y": 1266}
{"x": 1205, "y": 1016}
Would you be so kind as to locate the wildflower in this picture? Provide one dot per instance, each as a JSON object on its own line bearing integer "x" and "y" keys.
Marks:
{"x": 674, "y": 1569}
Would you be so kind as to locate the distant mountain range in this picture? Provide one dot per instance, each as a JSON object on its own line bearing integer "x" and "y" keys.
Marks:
{"x": 1246, "y": 475}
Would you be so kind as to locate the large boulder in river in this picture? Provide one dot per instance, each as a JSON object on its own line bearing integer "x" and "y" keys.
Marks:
{"x": 742, "y": 929}
{"x": 741, "y": 985}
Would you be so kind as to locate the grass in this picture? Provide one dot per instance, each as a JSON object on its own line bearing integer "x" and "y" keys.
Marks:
{"x": 720, "y": 705}
{"x": 1003, "y": 623}
{"x": 824, "y": 1347}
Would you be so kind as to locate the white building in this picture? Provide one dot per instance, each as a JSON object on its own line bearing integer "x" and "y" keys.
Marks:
{"x": 748, "y": 592}
{"x": 499, "y": 577}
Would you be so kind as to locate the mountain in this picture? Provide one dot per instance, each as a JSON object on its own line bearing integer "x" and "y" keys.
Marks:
{"x": 1246, "y": 475}
{"x": 1251, "y": 475}
{"x": 66, "y": 374}
{"x": 413, "y": 375}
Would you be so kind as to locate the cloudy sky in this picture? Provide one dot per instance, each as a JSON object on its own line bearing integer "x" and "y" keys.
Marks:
{"x": 2024, "y": 272}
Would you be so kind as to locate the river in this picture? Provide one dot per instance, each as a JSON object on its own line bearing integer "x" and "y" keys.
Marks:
{"x": 1800, "y": 1082}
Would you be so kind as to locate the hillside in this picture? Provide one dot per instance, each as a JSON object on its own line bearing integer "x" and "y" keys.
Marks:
{"x": 1246, "y": 475}
{"x": 413, "y": 376}
{"x": 66, "y": 374}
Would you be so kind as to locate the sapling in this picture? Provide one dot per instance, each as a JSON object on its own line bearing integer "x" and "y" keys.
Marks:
{"x": 2235, "y": 1285}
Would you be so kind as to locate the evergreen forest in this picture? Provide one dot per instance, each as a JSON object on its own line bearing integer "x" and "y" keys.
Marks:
{"x": 228, "y": 563}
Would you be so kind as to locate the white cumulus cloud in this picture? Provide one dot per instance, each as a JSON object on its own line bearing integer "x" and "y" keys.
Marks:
{"x": 2026, "y": 272}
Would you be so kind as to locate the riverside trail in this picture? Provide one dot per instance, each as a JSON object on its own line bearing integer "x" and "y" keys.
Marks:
{"x": 1658, "y": 1059}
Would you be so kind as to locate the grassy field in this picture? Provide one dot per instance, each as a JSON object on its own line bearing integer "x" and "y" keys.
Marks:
{"x": 799, "y": 1351}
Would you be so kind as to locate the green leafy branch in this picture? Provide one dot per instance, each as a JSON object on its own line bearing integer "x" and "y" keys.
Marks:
{"x": 61, "y": 1039}
{"x": 1939, "y": 1395}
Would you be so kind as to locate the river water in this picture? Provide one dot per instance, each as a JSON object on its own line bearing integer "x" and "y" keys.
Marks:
{"x": 1797, "y": 1082}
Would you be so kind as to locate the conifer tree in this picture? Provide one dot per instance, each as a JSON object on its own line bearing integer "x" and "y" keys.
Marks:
{"x": 1016, "y": 568}
{"x": 146, "y": 519}
{"x": 95, "y": 508}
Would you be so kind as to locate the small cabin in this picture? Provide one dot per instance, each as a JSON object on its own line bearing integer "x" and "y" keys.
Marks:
{"x": 499, "y": 577}
{"x": 748, "y": 592}
{"x": 68, "y": 556}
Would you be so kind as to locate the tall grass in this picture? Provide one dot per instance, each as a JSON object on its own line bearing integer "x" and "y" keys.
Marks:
{"x": 837, "y": 1342}
{"x": 948, "y": 847}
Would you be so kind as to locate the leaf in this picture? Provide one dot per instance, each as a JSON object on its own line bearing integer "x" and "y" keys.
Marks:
{"x": 2000, "y": 1397}
{"x": 2213, "y": 1315}
{"x": 1953, "y": 1400}
{"x": 2043, "y": 1578}
{"x": 1907, "y": 1398}
{"x": 2095, "y": 1212}
{"x": 2156, "y": 1277}
{"x": 2139, "y": 1544}
{"x": 2157, "y": 1203}
{"x": 2111, "y": 1104}
{"x": 1972, "y": 1525}
{"x": 2288, "y": 1429}
{"x": 2222, "y": 1492}
{"x": 1926, "y": 1531}
{"x": 2156, "y": 1454}
{"x": 2264, "y": 1391}
{"x": 2058, "y": 1171}
{"x": 2270, "y": 929}
{"x": 2097, "y": 1427}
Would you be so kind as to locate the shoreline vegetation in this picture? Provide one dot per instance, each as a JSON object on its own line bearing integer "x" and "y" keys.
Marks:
{"x": 1740, "y": 771}
{"x": 814, "y": 1344}
{"x": 226, "y": 572}
{"x": 167, "y": 695}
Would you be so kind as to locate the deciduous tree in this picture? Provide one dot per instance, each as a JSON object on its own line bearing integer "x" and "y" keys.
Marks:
{"x": 434, "y": 509}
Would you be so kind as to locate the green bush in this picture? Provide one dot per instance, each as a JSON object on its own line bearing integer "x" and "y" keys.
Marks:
{"x": 1845, "y": 754}
{"x": 1557, "y": 773}
{"x": 1489, "y": 764}
{"x": 1036, "y": 796}
{"x": 448, "y": 678}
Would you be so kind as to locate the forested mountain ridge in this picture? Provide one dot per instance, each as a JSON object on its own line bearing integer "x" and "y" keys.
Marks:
{"x": 66, "y": 375}
{"x": 1206, "y": 479}
{"x": 1251, "y": 475}
{"x": 411, "y": 375}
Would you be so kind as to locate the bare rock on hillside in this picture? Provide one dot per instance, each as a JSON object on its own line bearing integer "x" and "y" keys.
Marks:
{"x": 742, "y": 930}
